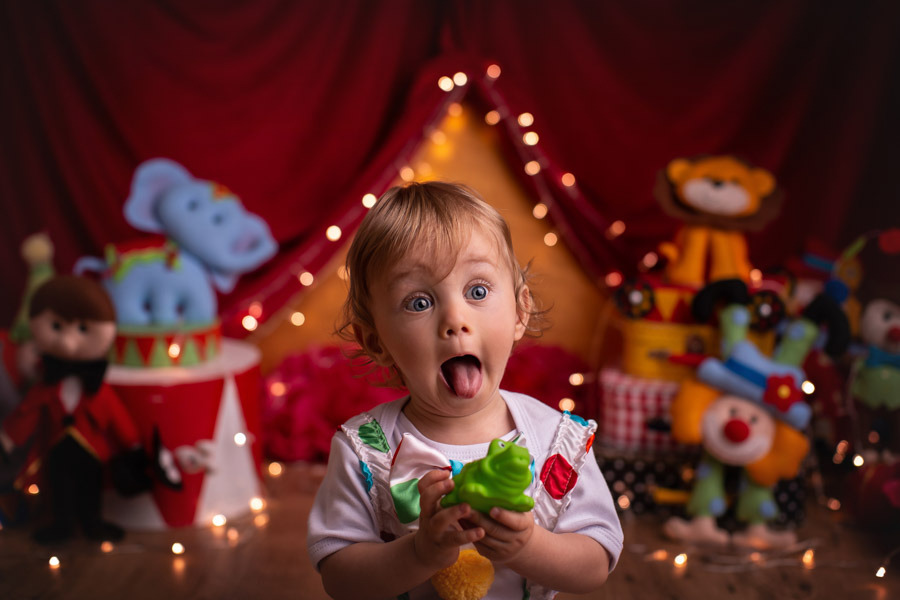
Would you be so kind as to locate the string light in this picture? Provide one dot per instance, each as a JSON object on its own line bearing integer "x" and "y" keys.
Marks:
{"x": 492, "y": 117}
{"x": 277, "y": 388}
{"x": 455, "y": 109}
{"x": 306, "y": 278}
{"x": 298, "y": 318}
{"x": 275, "y": 469}
{"x": 880, "y": 572}
{"x": 873, "y": 437}
{"x": 438, "y": 137}
{"x": 445, "y": 83}
{"x": 858, "y": 460}
{"x": 530, "y": 138}
{"x": 33, "y": 489}
{"x": 174, "y": 350}
{"x": 255, "y": 309}
{"x": 809, "y": 559}
{"x": 624, "y": 502}
{"x": 177, "y": 548}
{"x": 493, "y": 71}
{"x": 369, "y": 200}
{"x": 650, "y": 259}
{"x": 659, "y": 554}
{"x": 261, "y": 520}
{"x": 576, "y": 379}
{"x": 613, "y": 279}
{"x": 257, "y": 504}
{"x": 755, "y": 275}
{"x": 526, "y": 119}
{"x": 106, "y": 547}
{"x": 178, "y": 565}
{"x": 539, "y": 211}
{"x": 616, "y": 229}
{"x": 460, "y": 79}
{"x": 219, "y": 520}
{"x": 566, "y": 404}
{"x": 53, "y": 562}
{"x": 407, "y": 174}
{"x": 532, "y": 167}
{"x": 680, "y": 560}
{"x": 240, "y": 438}
{"x": 333, "y": 233}
{"x": 232, "y": 535}
{"x": 808, "y": 387}
{"x": 550, "y": 239}
{"x": 567, "y": 179}
{"x": 249, "y": 322}
{"x": 833, "y": 504}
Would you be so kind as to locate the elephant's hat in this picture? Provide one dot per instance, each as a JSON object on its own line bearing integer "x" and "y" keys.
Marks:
{"x": 749, "y": 374}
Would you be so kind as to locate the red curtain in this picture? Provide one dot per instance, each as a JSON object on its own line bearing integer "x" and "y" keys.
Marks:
{"x": 302, "y": 107}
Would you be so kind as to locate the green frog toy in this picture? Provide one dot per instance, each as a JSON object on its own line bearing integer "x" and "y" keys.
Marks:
{"x": 498, "y": 479}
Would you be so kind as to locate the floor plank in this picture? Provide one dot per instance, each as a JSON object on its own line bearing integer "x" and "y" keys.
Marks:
{"x": 267, "y": 559}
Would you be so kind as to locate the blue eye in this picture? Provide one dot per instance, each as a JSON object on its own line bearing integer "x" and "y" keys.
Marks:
{"x": 477, "y": 292}
{"x": 418, "y": 304}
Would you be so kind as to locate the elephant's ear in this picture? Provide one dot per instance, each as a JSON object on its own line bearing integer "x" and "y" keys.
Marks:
{"x": 152, "y": 179}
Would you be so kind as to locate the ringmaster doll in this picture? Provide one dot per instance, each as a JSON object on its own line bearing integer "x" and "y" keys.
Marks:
{"x": 77, "y": 421}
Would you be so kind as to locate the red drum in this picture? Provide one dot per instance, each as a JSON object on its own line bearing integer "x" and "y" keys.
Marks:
{"x": 208, "y": 416}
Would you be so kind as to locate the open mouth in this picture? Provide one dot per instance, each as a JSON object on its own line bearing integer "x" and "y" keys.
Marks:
{"x": 462, "y": 374}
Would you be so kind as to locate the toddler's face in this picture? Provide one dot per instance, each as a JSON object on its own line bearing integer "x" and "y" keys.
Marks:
{"x": 450, "y": 336}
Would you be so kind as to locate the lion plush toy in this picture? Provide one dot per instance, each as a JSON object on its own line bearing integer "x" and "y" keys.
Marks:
{"x": 718, "y": 198}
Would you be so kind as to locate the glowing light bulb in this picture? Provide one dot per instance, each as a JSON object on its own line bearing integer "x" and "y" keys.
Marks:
{"x": 659, "y": 555}
{"x": 53, "y": 562}
{"x": 808, "y": 387}
{"x": 530, "y": 138}
{"x": 650, "y": 259}
{"x": 809, "y": 559}
{"x": 566, "y": 404}
{"x": 407, "y": 174}
{"x": 240, "y": 438}
{"x": 261, "y": 520}
{"x": 33, "y": 489}
{"x": 249, "y": 322}
{"x": 834, "y": 504}
{"x": 623, "y": 502}
{"x": 177, "y": 548}
{"x": 493, "y": 71}
{"x": 492, "y": 117}
{"x": 257, "y": 504}
{"x": 232, "y": 534}
{"x": 616, "y": 229}
{"x": 333, "y": 233}
{"x": 842, "y": 446}
{"x": 526, "y": 119}
{"x": 298, "y": 318}
{"x": 532, "y": 167}
{"x": 106, "y": 547}
{"x": 219, "y": 520}
{"x": 567, "y": 179}
{"x": 539, "y": 211}
{"x": 576, "y": 379}
{"x": 873, "y": 437}
{"x": 369, "y": 200}
{"x": 880, "y": 572}
{"x": 306, "y": 278}
{"x": 174, "y": 350}
{"x": 613, "y": 279}
{"x": 858, "y": 460}
{"x": 277, "y": 388}
{"x": 255, "y": 309}
{"x": 445, "y": 83}
{"x": 550, "y": 239}
{"x": 275, "y": 469}
{"x": 680, "y": 560}
{"x": 755, "y": 275}
{"x": 438, "y": 137}
{"x": 455, "y": 109}
{"x": 460, "y": 79}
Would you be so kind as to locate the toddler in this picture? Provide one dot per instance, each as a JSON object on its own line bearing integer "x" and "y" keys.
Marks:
{"x": 438, "y": 298}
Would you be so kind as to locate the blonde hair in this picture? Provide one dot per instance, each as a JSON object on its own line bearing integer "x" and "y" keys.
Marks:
{"x": 436, "y": 219}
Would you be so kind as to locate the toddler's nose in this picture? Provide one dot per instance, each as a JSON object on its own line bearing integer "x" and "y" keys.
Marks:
{"x": 453, "y": 321}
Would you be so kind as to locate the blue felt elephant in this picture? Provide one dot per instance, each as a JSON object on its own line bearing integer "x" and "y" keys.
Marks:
{"x": 209, "y": 241}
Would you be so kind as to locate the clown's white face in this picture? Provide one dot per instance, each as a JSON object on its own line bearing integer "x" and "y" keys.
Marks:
{"x": 880, "y": 325}
{"x": 737, "y": 431}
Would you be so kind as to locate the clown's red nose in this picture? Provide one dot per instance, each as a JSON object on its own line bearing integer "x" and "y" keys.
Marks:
{"x": 894, "y": 334}
{"x": 737, "y": 430}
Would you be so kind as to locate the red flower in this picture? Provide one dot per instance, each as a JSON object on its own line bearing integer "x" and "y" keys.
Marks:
{"x": 781, "y": 392}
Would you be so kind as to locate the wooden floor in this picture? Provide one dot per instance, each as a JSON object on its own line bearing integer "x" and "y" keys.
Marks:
{"x": 265, "y": 557}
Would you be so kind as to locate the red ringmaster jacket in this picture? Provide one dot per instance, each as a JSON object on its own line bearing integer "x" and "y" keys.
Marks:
{"x": 100, "y": 423}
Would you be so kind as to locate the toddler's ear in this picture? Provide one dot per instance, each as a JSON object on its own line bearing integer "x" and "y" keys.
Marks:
{"x": 523, "y": 312}
{"x": 371, "y": 344}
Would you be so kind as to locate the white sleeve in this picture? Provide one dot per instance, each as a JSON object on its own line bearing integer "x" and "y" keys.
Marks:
{"x": 591, "y": 511}
{"x": 341, "y": 514}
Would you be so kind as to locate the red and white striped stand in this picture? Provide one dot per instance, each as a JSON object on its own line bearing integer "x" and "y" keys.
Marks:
{"x": 209, "y": 417}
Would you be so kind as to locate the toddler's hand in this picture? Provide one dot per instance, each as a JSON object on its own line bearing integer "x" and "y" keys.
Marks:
{"x": 506, "y": 533}
{"x": 440, "y": 535}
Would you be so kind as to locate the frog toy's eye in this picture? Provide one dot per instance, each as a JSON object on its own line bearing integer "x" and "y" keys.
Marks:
{"x": 501, "y": 445}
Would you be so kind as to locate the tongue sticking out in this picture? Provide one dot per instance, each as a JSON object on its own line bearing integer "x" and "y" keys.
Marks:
{"x": 463, "y": 375}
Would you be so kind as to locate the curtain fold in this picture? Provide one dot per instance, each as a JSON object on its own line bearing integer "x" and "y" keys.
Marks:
{"x": 303, "y": 107}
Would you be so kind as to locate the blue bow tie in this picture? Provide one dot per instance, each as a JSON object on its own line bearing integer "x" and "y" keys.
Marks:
{"x": 878, "y": 357}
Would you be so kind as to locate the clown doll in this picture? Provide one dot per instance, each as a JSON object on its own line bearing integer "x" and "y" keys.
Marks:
{"x": 748, "y": 413}
{"x": 77, "y": 421}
